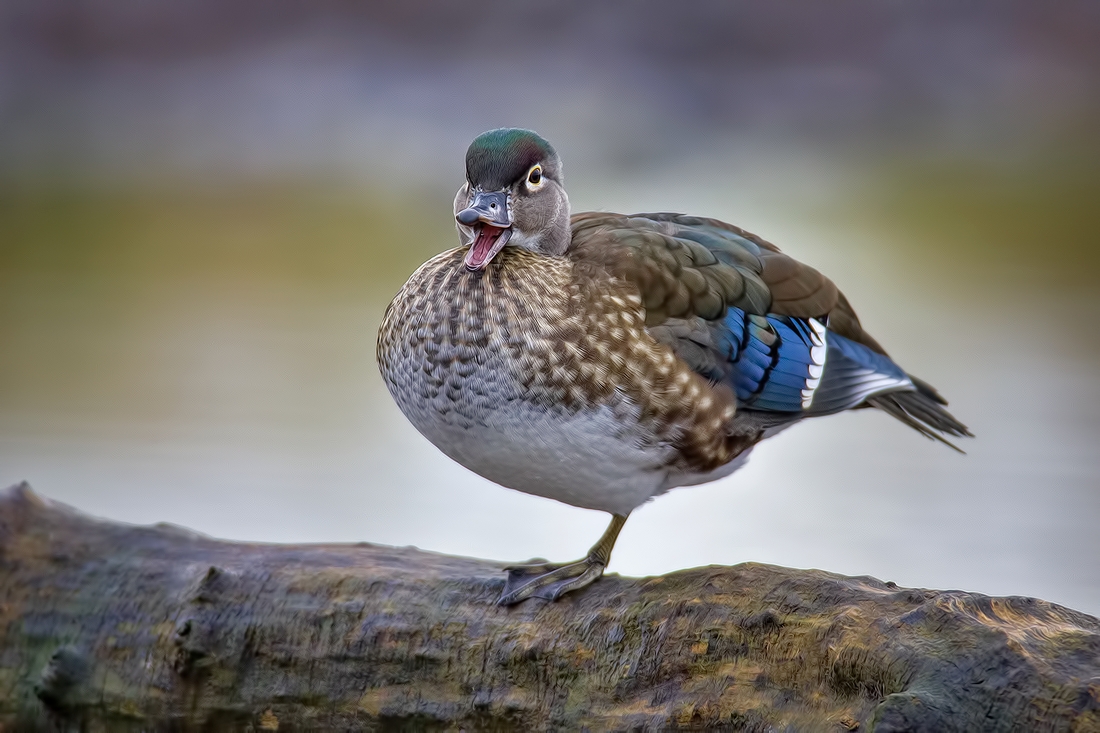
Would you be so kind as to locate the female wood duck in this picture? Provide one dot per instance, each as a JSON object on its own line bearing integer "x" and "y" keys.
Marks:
{"x": 603, "y": 359}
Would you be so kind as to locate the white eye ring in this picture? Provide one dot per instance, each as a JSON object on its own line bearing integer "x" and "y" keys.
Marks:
{"x": 534, "y": 176}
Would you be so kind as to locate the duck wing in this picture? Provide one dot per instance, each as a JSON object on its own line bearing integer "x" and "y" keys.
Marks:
{"x": 740, "y": 312}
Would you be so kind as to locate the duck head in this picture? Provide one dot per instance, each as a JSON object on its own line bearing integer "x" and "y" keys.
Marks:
{"x": 513, "y": 196}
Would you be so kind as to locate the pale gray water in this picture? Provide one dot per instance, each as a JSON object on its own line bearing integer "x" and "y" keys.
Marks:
{"x": 205, "y": 207}
{"x": 249, "y": 407}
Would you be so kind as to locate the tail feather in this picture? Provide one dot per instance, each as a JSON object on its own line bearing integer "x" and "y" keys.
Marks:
{"x": 923, "y": 411}
{"x": 928, "y": 390}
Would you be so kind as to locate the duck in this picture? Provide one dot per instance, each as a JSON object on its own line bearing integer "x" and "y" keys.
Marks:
{"x": 602, "y": 359}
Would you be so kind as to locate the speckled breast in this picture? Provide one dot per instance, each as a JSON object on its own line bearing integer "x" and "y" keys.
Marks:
{"x": 539, "y": 379}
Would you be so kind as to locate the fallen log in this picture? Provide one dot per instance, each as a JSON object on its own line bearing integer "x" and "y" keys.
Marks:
{"x": 107, "y": 626}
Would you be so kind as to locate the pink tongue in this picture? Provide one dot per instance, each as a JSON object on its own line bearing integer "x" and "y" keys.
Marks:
{"x": 486, "y": 238}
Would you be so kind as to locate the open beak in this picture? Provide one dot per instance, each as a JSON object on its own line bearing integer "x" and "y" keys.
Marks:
{"x": 490, "y": 218}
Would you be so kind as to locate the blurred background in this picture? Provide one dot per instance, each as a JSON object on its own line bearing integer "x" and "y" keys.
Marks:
{"x": 206, "y": 206}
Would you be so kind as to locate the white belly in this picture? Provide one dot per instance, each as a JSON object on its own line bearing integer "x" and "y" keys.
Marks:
{"x": 588, "y": 459}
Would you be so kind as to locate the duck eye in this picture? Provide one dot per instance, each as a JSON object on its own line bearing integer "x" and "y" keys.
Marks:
{"x": 535, "y": 176}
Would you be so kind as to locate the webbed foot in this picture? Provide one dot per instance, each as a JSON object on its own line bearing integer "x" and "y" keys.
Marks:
{"x": 550, "y": 582}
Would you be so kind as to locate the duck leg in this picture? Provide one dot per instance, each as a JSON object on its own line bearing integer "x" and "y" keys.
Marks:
{"x": 550, "y": 582}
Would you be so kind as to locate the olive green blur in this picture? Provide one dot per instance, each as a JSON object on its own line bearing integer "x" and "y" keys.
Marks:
{"x": 205, "y": 208}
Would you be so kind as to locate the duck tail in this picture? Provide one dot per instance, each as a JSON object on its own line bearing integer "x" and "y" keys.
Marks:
{"x": 922, "y": 410}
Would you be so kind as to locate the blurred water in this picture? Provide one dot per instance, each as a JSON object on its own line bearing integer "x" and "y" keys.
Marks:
{"x": 208, "y": 360}
{"x": 204, "y": 209}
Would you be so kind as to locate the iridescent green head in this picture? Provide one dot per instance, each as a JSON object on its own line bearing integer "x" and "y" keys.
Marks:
{"x": 498, "y": 158}
{"x": 513, "y": 195}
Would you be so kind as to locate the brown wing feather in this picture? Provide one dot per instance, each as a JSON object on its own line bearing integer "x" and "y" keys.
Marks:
{"x": 678, "y": 275}
{"x": 801, "y": 291}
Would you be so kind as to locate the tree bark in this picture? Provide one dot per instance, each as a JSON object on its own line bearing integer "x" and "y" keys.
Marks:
{"x": 106, "y": 626}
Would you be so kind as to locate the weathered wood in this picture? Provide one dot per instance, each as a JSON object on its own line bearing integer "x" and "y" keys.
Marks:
{"x": 105, "y": 626}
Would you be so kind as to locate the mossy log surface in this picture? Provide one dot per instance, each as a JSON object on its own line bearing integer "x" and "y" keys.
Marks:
{"x": 106, "y": 626}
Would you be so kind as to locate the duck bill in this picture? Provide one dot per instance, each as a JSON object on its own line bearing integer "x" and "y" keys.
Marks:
{"x": 488, "y": 240}
{"x": 491, "y": 220}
